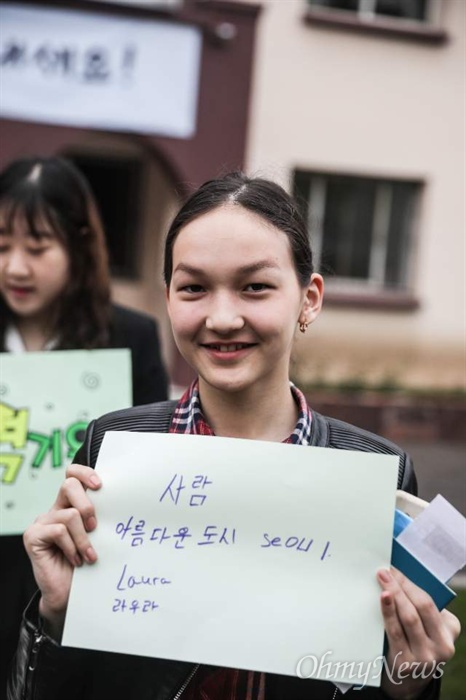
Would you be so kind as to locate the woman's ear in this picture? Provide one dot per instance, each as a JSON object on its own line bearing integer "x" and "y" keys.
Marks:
{"x": 313, "y": 298}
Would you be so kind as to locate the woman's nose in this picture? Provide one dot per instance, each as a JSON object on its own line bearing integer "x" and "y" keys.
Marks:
{"x": 224, "y": 317}
{"x": 16, "y": 263}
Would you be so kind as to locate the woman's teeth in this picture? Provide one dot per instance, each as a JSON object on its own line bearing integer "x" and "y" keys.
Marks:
{"x": 228, "y": 348}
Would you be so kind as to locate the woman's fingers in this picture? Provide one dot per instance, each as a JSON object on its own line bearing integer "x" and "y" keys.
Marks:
{"x": 58, "y": 541}
{"x": 452, "y": 623}
{"x": 86, "y": 475}
{"x": 417, "y": 613}
{"x": 40, "y": 536}
{"x": 407, "y": 614}
{"x": 429, "y": 634}
{"x": 63, "y": 529}
{"x": 67, "y": 524}
{"x": 423, "y": 604}
{"x": 70, "y": 519}
{"x": 73, "y": 493}
{"x": 394, "y": 629}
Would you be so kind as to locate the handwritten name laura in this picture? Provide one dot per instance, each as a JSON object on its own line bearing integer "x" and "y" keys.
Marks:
{"x": 128, "y": 581}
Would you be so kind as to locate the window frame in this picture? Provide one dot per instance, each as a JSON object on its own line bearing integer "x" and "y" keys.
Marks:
{"x": 372, "y": 291}
{"x": 424, "y": 31}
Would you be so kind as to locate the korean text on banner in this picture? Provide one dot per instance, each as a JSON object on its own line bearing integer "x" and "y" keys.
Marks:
{"x": 87, "y": 69}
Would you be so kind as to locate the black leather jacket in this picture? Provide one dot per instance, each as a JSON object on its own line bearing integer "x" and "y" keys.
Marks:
{"x": 44, "y": 670}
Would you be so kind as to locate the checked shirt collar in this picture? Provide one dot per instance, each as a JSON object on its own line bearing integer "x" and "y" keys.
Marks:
{"x": 189, "y": 419}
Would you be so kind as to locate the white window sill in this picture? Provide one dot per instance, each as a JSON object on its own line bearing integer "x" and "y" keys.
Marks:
{"x": 396, "y": 28}
{"x": 389, "y": 300}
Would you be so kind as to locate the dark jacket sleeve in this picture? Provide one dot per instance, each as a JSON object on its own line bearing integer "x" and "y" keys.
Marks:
{"x": 408, "y": 479}
{"x": 139, "y": 332}
{"x": 37, "y": 663}
{"x": 44, "y": 670}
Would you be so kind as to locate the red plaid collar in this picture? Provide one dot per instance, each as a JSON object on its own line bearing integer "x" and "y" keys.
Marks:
{"x": 189, "y": 419}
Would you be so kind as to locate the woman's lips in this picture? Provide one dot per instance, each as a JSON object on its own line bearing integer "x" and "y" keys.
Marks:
{"x": 228, "y": 351}
{"x": 227, "y": 347}
{"x": 20, "y": 292}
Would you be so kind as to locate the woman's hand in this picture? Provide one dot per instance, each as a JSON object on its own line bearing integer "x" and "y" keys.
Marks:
{"x": 419, "y": 636}
{"x": 58, "y": 541}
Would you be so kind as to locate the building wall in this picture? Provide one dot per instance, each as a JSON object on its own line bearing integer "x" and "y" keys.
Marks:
{"x": 339, "y": 101}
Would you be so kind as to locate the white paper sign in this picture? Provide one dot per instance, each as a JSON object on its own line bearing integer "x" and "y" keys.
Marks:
{"x": 237, "y": 553}
{"x": 70, "y": 67}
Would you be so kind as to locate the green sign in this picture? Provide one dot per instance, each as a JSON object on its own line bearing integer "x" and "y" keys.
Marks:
{"x": 47, "y": 400}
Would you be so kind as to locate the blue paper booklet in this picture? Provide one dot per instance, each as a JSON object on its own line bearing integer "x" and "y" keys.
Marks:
{"x": 414, "y": 569}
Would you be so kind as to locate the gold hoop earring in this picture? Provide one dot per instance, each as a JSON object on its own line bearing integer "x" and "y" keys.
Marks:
{"x": 303, "y": 326}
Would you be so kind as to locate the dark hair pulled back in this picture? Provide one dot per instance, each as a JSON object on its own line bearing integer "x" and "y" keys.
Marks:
{"x": 259, "y": 196}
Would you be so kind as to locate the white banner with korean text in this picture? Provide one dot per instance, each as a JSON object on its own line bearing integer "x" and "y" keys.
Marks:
{"x": 73, "y": 68}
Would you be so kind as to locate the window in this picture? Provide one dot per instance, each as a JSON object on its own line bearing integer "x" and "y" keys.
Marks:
{"x": 368, "y": 9}
{"x": 361, "y": 228}
{"x": 116, "y": 184}
{"x": 412, "y": 20}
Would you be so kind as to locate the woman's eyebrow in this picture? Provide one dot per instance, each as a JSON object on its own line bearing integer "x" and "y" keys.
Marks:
{"x": 39, "y": 235}
{"x": 42, "y": 233}
{"x": 243, "y": 270}
{"x": 189, "y": 269}
{"x": 258, "y": 267}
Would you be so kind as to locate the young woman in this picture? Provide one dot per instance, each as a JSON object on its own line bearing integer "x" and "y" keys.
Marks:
{"x": 240, "y": 282}
{"x": 54, "y": 277}
{"x": 55, "y": 294}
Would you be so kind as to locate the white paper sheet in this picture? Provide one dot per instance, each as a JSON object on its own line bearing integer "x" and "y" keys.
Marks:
{"x": 279, "y": 562}
{"x": 437, "y": 537}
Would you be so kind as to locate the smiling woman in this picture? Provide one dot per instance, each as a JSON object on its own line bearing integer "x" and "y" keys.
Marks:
{"x": 235, "y": 322}
{"x": 239, "y": 283}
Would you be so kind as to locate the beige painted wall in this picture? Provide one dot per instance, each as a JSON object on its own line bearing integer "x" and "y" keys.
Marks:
{"x": 365, "y": 104}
